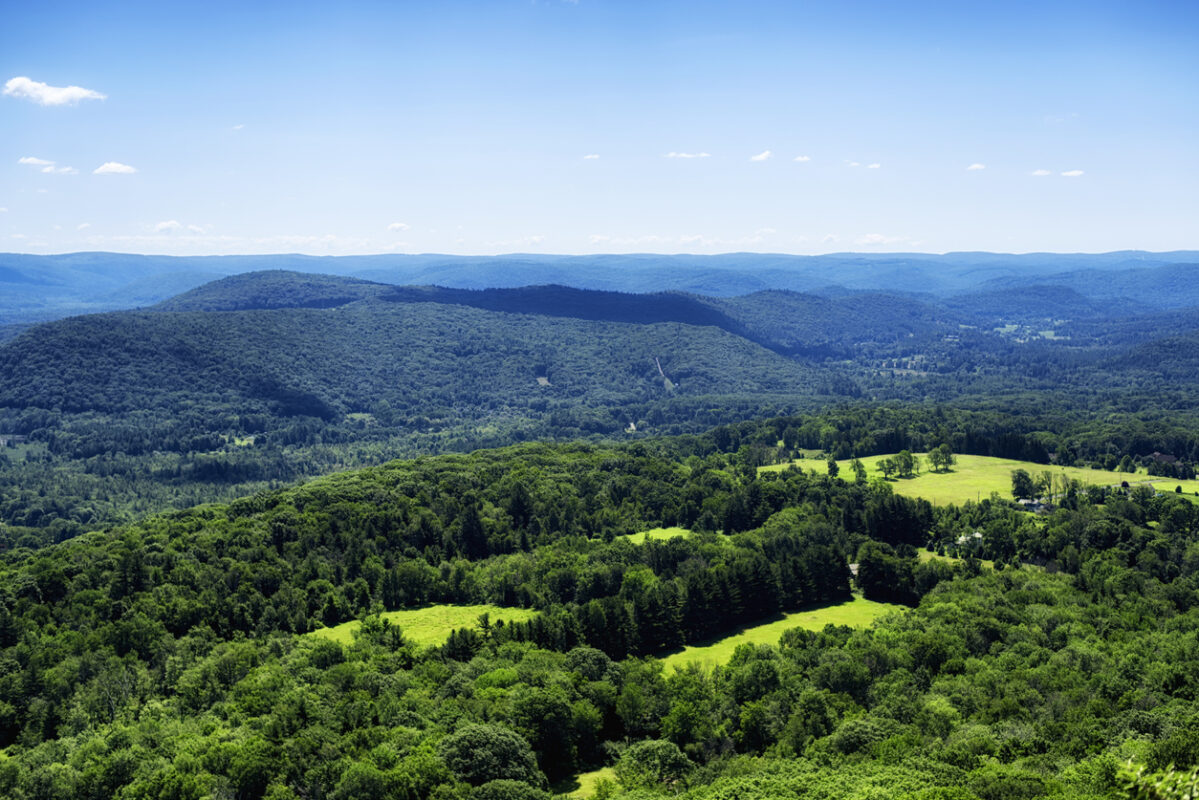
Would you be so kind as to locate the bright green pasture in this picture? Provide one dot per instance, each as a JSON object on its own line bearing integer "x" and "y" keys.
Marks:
{"x": 583, "y": 785}
{"x": 657, "y": 533}
{"x": 1167, "y": 485}
{"x": 431, "y": 625}
{"x": 971, "y": 478}
{"x": 856, "y": 613}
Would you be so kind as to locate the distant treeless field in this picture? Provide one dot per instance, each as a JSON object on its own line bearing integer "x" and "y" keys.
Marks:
{"x": 431, "y": 625}
{"x": 856, "y": 613}
{"x": 971, "y": 478}
{"x": 657, "y": 533}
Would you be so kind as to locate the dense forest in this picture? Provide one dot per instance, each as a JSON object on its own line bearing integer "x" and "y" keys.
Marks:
{"x": 172, "y": 657}
{"x": 205, "y": 537}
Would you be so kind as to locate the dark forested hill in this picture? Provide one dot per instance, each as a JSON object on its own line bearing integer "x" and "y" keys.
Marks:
{"x": 276, "y": 375}
{"x": 273, "y": 289}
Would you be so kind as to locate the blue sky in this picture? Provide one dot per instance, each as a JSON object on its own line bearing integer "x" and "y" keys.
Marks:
{"x": 596, "y": 126}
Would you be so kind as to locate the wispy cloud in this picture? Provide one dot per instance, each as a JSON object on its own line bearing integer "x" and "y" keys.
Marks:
{"x": 83, "y": 226}
{"x": 976, "y": 166}
{"x": 46, "y": 95}
{"x": 1041, "y": 173}
{"x": 238, "y": 126}
{"x": 803, "y": 158}
{"x": 876, "y": 239}
{"x": 114, "y": 168}
{"x": 398, "y": 226}
{"x": 175, "y": 226}
{"x": 591, "y": 157}
{"x": 48, "y": 167}
{"x": 526, "y": 241}
{"x": 687, "y": 155}
{"x": 1072, "y": 173}
{"x": 762, "y": 156}
{"x": 3, "y": 210}
{"x": 875, "y": 165}
{"x": 853, "y": 163}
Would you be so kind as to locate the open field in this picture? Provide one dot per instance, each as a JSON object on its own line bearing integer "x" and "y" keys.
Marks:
{"x": 856, "y": 613}
{"x": 583, "y": 785}
{"x": 1167, "y": 485}
{"x": 429, "y": 626}
{"x": 971, "y": 478}
{"x": 657, "y": 533}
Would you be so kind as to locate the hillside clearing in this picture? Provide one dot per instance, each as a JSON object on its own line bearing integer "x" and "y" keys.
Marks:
{"x": 431, "y": 625}
{"x": 657, "y": 533}
{"x": 970, "y": 478}
{"x": 856, "y": 613}
{"x": 584, "y": 784}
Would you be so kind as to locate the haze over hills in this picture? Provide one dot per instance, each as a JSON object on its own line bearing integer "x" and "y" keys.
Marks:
{"x": 35, "y": 288}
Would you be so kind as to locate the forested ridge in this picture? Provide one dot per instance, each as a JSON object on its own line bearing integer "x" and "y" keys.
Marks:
{"x": 258, "y": 380}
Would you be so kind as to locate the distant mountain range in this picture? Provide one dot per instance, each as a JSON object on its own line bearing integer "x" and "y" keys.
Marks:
{"x": 36, "y": 288}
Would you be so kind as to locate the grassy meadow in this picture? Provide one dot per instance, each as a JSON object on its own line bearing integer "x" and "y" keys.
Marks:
{"x": 657, "y": 533}
{"x": 431, "y": 625}
{"x": 584, "y": 784}
{"x": 971, "y": 478}
{"x": 856, "y": 613}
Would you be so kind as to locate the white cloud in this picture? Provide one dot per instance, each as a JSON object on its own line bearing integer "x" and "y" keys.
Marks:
{"x": 1073, "y": 173}
{"x": 876, "y": 239}
{"x": 239, "y": 126}
{"x": 113, "y": 168}
{"x": 829, "y": 238}
{"x": 1040, "y": 173}
{"x": 45, "y": 95}
{"x": 687, "y": 155}
{"x": 762, "y": 156}
{"x": 873, "y": 166}
{"x": 803, "y": 158}
{"x": 48, "y": 167}
{"x": 976, "y": 166}
{"x": 168, "y": 226}
{"x": 83, "y": 226}
{"x": 398, "y": 226}
{"x": 853, "y": 163}
{"x": 526, "y": 241}
{"x": 598, "y": 238}
{"x": 3, "y": 210}
{"x": 591, "y": 157}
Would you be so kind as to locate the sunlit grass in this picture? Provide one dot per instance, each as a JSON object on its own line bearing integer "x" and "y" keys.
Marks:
{"x": 971, "y": 478}
{"x": 431, "y": 625}
{"x": 583, "y": 785}
{"x": 856, "y": 613}
{"x": 657, "y": 533}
